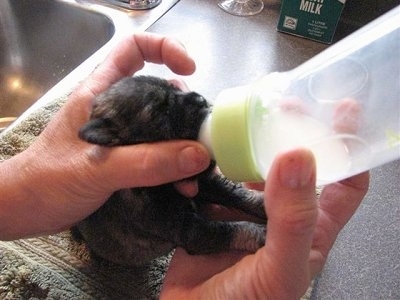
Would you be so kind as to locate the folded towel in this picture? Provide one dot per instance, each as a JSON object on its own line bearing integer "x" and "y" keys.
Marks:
{"x": 56, "y": 266}
{"x": 23, "y": 134}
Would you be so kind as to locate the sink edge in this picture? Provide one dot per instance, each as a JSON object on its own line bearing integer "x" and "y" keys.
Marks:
{"x": 125, "y": 23}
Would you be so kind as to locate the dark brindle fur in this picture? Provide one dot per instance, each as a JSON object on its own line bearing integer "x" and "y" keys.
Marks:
{"x": 137, "y": 225}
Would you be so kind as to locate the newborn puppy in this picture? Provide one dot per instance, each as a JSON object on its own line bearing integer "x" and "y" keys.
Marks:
{"x": 137, "y": 225}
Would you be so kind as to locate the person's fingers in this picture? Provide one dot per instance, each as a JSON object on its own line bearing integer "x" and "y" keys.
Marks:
{"x": 347, "y": 116}
{"x": 128, "y": 57}
{"x": 182, "y": 282}
{"x": 180, "y": 84}
{"x": 292, "y": 214}
{"x": 165, "y": 50}
{"x": 131, "y": 55}
{"x": 188, "y": 188}
{"x": 338, "y": 202}
{"x": 280, "y": 269}
{"x": 258, "y": 186}
{"x": 147, "y": 164}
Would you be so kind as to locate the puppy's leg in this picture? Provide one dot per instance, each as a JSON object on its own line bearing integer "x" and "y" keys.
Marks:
{"x": 216, "y": 188}
{"x": 200, "y": 236}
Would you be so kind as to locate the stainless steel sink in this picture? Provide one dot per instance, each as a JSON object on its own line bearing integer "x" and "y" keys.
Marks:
{"x": 41, "y": 41}
{"x": 48, "y": 46}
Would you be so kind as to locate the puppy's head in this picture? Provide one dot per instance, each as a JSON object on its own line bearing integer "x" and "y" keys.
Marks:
{"x": 144, "y": 109}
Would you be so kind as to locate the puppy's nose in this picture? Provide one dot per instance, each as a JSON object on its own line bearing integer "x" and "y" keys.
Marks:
{"x": 202, "y": 100}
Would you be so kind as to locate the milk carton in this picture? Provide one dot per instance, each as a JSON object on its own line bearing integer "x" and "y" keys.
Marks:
{"x": 311, "y": 19}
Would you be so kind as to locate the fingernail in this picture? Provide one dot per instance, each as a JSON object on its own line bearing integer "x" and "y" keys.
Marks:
{"x": 297, "y": 170}
{"x": 193, "y": 160}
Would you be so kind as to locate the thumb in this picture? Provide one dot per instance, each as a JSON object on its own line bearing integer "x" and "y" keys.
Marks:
{"x": 292, "y": 213}
{"x": 152, "y": 164}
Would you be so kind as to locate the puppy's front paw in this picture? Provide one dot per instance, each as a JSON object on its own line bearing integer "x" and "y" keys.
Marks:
{"x": 248, "y": 236}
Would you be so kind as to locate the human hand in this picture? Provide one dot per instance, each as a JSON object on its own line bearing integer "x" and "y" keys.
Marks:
{"x": 61, "y": 179}
{"x": 300, "y": 233}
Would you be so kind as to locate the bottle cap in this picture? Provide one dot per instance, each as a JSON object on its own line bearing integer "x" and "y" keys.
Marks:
{"x": 230, "y": 136}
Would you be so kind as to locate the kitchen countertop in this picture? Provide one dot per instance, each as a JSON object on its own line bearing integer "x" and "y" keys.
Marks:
{"x": 231, "y": 50}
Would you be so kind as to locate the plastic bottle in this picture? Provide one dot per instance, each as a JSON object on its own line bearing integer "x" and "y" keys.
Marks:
{"x": 343, "y": 104}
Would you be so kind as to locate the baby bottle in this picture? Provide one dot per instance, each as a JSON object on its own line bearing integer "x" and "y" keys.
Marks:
{"x": 343, "y": 105}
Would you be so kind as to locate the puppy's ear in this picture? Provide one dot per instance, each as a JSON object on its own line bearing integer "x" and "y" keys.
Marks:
{"x": 100, "y": 132}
